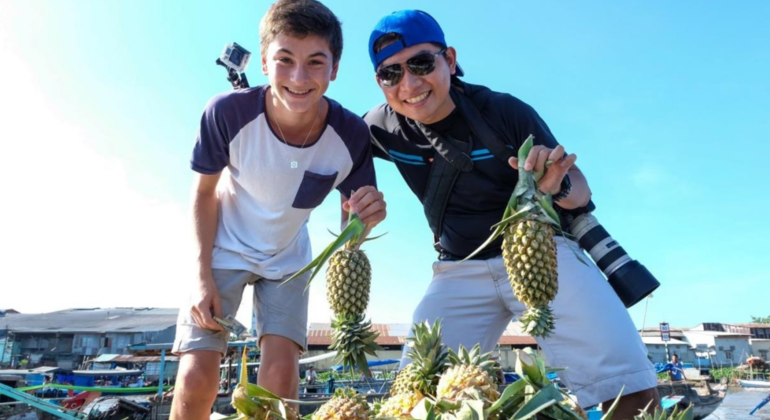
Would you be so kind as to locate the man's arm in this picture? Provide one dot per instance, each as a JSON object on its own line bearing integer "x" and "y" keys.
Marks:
{"x": 205, "y": 219}
{"x": 560, "y": 165}
{"x": 580, "y": 194}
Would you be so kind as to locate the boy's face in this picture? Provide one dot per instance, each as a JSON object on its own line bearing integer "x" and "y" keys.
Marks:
{"x": 422, "y": 98}
{"x": 299, "y": 70}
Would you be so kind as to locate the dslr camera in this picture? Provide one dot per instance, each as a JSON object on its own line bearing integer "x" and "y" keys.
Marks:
{"x": 631, "y": 280}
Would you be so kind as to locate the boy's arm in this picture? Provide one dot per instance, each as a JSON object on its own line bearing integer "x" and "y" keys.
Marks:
{"x": 207, "y": 301}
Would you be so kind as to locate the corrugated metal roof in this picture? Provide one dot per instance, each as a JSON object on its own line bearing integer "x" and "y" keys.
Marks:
{"x": 658, "y": 340}
{"x": 319, "y": 334}
{"x": 105, "y": 358}
{"x": 123, "y": 358}
{"x": 521, "y": 340}
{"x": 107, "y": 372}
{"x": 95, "y": 320}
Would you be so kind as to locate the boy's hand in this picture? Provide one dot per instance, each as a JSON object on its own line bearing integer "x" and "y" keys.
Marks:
{"x": 369, "y": 204}
{"x": 207, "y": 304}
{"x": 554, "y": 173}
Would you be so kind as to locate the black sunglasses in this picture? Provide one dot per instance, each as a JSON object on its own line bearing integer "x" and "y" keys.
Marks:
{"x": 421, "y": 64}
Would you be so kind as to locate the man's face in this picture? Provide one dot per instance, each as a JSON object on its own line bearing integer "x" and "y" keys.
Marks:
{"x": 299, "y": 70}
{"x": 422, "y": 98}
{"x": 675, "y": 358}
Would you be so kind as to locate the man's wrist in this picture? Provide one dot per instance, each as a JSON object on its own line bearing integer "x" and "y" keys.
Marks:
{"x": 564, "y": 191}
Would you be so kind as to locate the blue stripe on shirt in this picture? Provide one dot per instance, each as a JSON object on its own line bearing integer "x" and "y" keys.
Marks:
{"x": 410, "y": 162}
{"x": 405, "y": 156}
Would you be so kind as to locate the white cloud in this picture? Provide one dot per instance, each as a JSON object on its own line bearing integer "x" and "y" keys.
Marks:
{"x": 76, "y": 233}
{"x": 648, "y": 176}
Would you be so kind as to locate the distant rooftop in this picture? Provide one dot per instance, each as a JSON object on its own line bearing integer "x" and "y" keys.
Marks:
{"x": 93, "y": 320}
{"x": 657, "y": 340}
{"x": 754, "y": 325}
{"x": 395, "y": 334}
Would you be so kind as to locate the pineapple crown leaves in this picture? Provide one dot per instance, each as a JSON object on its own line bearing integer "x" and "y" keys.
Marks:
{"x": 346, "y": 392}
{"x": 472, "y": 357}
{"x": 353, "y": 339}
{"x": 530, "y": 366}
{"x": 686, "y": 414}
{"x": 250, "y": 398}
{"x": 526, "y": 202}
{"x": 353, "y": 232}
{"x": 426, "y": 344}
{"x": 429, "y": 355}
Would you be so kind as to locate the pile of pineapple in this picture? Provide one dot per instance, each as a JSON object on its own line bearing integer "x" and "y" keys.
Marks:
{"x": 441, "y": 384}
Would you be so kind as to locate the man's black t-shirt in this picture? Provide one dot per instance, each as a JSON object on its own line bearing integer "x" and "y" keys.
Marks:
{"x": 479, "y": 197}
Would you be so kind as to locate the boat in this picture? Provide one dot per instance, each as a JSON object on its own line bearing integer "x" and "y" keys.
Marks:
{"x": 748, "y": 383}
{"x": 703, "y": 398}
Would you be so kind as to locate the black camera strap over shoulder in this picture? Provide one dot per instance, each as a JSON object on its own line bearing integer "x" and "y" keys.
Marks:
{"x": 481, "y": 126}
{"x": 443, "y": 172}
{"x": 470, "y": 100}
{"x": 455, "y": 154}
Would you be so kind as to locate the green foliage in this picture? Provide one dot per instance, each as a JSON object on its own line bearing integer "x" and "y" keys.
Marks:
{"x": 729, "y": 374}
{"x": 760, "y": 319}
{"x": 349, "y": 376}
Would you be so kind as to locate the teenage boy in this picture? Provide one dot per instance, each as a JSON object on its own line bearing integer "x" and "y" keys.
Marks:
{"x": 445, "y": 137}
{"x": 265, "y": 157}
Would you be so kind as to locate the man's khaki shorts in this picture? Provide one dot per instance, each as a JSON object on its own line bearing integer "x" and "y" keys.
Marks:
{"x": 279, "y": 311}
{"x": 594, "y": 337}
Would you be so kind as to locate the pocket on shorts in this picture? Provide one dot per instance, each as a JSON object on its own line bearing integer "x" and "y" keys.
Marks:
{"x": 313, "y": 189}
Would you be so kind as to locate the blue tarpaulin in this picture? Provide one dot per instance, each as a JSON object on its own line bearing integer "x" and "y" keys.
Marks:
{"x": 371, "y": 363}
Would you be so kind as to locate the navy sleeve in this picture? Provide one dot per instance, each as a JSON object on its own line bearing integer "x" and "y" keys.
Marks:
{"x": 360, "y": 149}
{"x": 211, "y": 153}
{"x": 378, "y": 150}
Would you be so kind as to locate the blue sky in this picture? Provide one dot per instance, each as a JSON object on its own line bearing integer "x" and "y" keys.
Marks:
{"x": 667, "y": 106}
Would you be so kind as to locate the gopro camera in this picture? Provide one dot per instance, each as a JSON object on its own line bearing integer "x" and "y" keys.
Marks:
{"x": 235, "y": 59}
{"x": 231, "y": 324}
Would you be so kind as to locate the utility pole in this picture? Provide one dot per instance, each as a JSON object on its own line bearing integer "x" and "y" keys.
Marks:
{"x": 665, "y": 336}
{"x": 5, "y": 344}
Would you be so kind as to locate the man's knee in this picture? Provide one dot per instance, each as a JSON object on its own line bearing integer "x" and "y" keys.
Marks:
{"x": 632, "y": 404}
{"x": 645, "y": 397}
{"x": 280, "y": 365}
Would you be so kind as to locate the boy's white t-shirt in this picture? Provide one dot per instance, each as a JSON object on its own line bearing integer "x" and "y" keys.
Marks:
{"x": 264, "y": 203}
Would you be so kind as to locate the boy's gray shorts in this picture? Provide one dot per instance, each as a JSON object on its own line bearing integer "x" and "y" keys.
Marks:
{"x": 279, "y": 311}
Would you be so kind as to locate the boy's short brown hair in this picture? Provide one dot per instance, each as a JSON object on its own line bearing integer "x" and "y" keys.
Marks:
{"x": 300, "y": 18}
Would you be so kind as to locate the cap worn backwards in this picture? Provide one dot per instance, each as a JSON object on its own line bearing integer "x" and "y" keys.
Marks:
{"x": 414, "y": 27}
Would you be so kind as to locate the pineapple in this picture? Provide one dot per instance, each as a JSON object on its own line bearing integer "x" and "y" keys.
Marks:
{"x": 429, "y": 359}
{"x": 529, "y": 250}
{"x": 400, "y": 405}
{"x": 348, "y": 281}
{"x": 529, "y": 254}
{"x": 404, "y": 380}
{"x": 344, "y": 405}
{"x": 469, "y": 376}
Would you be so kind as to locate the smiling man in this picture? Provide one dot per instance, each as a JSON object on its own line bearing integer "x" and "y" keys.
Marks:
{"x": 285, "y": 147}
{"x": 453, "y": 144}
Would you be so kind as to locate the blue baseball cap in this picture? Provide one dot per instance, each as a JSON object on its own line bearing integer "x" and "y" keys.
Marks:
{"x": 414, "y": 26}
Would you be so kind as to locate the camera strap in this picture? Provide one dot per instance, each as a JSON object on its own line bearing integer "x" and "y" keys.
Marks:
{"x": 455, "y": 159}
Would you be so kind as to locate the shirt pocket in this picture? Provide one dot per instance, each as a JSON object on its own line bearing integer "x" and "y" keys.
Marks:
{"x": 313, "y": 189}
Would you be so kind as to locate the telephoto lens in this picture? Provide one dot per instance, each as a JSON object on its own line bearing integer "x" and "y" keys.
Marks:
{"x": 631, "y": 280}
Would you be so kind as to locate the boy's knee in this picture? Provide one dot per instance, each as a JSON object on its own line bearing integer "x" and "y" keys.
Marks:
{"x": 195, "y": 381}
